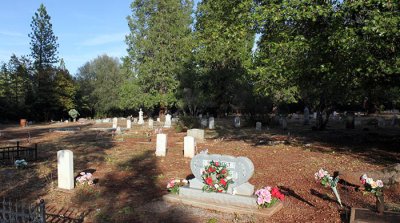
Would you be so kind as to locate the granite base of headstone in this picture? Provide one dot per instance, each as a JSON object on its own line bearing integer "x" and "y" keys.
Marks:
{"x": 197, "y": 134}
{"x": 239, "y": 198}
{"x": 65, "y": 169}
{"x": 362, "y": 215}
{"x": 161, "y": 145}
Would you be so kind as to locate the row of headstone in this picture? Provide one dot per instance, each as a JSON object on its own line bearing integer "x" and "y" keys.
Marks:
{"x": 189, "y": 143}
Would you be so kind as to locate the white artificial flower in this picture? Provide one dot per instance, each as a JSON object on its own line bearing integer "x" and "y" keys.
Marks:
{"x": 369, "y": 180}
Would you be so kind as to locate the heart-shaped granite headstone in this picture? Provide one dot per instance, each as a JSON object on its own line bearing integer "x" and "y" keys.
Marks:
{"x": 240, "y": 168}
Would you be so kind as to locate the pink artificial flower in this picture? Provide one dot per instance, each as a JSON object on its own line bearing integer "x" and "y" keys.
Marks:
{"x": 260, "y": 201}
{"x": 379, "y": 183}
{"x": 321, "y": 173}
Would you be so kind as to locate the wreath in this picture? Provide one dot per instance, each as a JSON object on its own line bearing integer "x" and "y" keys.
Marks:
{"x": 216, "y": 177}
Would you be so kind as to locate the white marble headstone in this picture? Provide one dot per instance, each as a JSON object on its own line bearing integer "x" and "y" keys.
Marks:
{"x": 204, "y": 122}
{"x": 141, "y": 121}
{"x": 167, "y": 123}
{"x": 198, "y": 134}
{"x": 161, "y": 146}
{"x": 65, "y": 169}
{"x": 128, "y": 124}
{"x": 115, "y": 123}
{"x": 189, "y": 146}
{"x": 151, "y": 123}
{"x": 211, "y": 123}
{"x": 158, "y": 120}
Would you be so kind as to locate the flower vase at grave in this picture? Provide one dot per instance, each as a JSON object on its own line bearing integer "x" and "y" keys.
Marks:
{"x": 334, "y": 189}
{"x": 380, "y": 204}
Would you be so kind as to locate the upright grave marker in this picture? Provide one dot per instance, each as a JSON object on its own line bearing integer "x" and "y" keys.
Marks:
{"x": 115, "y": 123}
{"x": 161, "y": 146}
{"x": 239, "y": 196}
{"x": 65, "y": 169}
{"x": 168, "y": 121}
{"x": 211, "y": 123}
{"x": 258, "y": 126}
{"x": 141, "y": 121}
{"x": 189, "y": 146}
{"x": 236, "y": 122}
{"x": 151, "y": 123}
{"x": 128, "y": 123}
{"x": 198, "y": 134}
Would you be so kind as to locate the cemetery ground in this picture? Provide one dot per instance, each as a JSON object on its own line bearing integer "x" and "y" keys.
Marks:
{"x": 131, "y": 179}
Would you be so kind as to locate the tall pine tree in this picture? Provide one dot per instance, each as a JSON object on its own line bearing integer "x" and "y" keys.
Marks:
{"x": 44, "y": 53}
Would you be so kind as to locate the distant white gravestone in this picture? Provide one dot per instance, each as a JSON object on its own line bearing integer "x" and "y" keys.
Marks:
{"x": 115, "y": 123}
{"x": 128, "y": 124}
{"x": 306, "y": 116}
{"x": 204, "y": 122}
{"x": 141, "y": 121}
{"x": 236, "y": 122}
{"x": 189, "y": 146}
{"x": 161, "y": 146}
{"x": 167, "y": 121}
{"x": 151, "y": 123}
{"x": 65, "y": 169}
{"x": 211, "y": 123}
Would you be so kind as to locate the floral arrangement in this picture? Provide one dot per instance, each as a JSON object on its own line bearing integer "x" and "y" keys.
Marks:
{"x": 371, "y": 186}
{"x": 267, "y": 196}
{"x": 174, "y": 185}
{"x": 325, "y": 179}
{"x": 216, "y": 177}
{"x": 85, "y": 178}
{"x": 20, "y": 164}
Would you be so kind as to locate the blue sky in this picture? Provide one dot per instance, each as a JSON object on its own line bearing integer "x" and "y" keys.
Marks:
{"x": 85, "y": 28}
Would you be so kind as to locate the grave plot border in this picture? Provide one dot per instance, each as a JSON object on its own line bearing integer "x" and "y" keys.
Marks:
{"x": 11, "y": 153}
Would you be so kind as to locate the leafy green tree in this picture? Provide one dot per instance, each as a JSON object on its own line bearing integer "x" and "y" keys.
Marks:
{"x": 224, "y": 36}
{"x": 44, "y": 53}
{"x": 159, "y": 44}
{"x": 65, "y": 90}
{"x": 99, "y": 83}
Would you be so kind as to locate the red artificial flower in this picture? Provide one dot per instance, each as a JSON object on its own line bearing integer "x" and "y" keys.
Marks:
{"x": 275, "y": 192}
{"x": 216, "y": 164}
{"x": 363, "y": 181}
{"x": 281, "y": 197}
{"x": 223, "y": 182}
{"x": 209, "y": 181}
{"x": 223, "y": 171}
{"x": 211, "y": 170}
{"x": 219, "y": 191}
